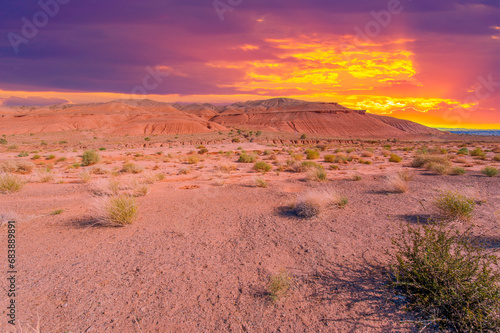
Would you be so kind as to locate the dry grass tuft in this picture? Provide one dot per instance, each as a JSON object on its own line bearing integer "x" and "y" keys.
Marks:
{"x": 116, "y": 210}
{"x": 313, "y": 202}
{"x": 10, "y": 183}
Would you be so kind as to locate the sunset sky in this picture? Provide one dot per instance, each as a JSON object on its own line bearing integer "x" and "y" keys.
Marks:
{"x": 434, "y": 62}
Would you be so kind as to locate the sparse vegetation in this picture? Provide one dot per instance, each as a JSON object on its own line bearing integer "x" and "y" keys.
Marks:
{"x": 312, "y": 154}
{"x": 312, "y": 202}
{"x": 490, "y": 171}
{"x": 10, "y": 183}
{"x": 279, "y": 285}
{"x": 455, "y": 205}
{"x": 447, "y": 280}
{"x": 90, "y": 157}
{"x": 118, "y": 209}
{"x": 318, "y": 175}
{"x": 262, "y": 167}
{"x": 259, "y": 182}
{"x": 330, "y": 158}
{"x": 193, "y": 159}
{"x": 21, "y": 167}
{"x": 132, "y": 168}
{"x": 398, "y": 182}
{"x": 395, "y": 158}
{"x": 245, "y": 158}
{"x": 458, "y": 171}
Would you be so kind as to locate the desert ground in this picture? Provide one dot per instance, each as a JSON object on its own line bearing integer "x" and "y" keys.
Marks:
{"x": 213, "y": 230}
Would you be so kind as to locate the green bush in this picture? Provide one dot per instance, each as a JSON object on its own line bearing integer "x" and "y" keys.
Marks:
{"x": 447, "y": 279}
{"x": 245, "y": 158}
{"x": 90, "y": 157}
{"x": 463, "y": 151}
{"x": 132, "y": 168}
{"x": 455, "y": 205}
{"x": 490, "y": 171}
{"x": 458, "y": 171}
{"x": 330, "y": 158}
{"x": 478, "y": 152}
{"x": 312, "y": 154}
{"x": 395, "y": 158}
{"x": 3, "y": 141}
{"x": 262, "y": 167}
{"x": 193, "y": 159}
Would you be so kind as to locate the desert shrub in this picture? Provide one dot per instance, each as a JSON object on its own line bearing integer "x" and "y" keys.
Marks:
{"x": 193, "y": 159}
{"x": 141, "y": 189}
{"x": 245, "y": 158}
{"x": 458, "y": 171}
{"x": 132, "y": 168}
{"x": 85, "y": 176}
{"x": 21, "y": 167}
{"x": 330, "y": 158}
{"x": 259, "y": 182}
{"x": 235, "y": 140}
{"x": 387, "y": 147}
{"x": 97, "y": 170}
{"x": 312, "y": 202}
{"x": 428, "y": 161}
{"x": 311, "y": 165}
{"x": 279, "y": 285}
{"x": 478, "y": 152}
{"x": 50, "y": 157}
{"x": 318, "y": 175}
{"x": 268, "y": 152}
{"x": 439, "y": 168}
{"x": 341, "y": 158}
{"x": 490, "y": 171}
{"x": 297, "y": 157}
{"x": 118, "y": 210}
{"x": 463, "y": 151}
{"x": 23, "y": 154}
{"x": 446, "y": 279}
{"x": 303, "y": 136}
{"x": 3, "y": 141}
{"x": 183, "y": 171}
{"x": 45, "y": 176}
{"x": 203, "y": 151}
{"x": 395, "y": 158}
{"x": 362, "y": 161}
{"x": 151, "y": 177}
{"x": 262, "y": 167}
{"x": 295, "y": 166}
{"x": 225, "y": 168}
{"x": 455, "y": 205}
{"x": 312, "y": 154}
{"x": 10, "y": 183}
{"x": 356, "y": 178}
{"x": 397, "y": 183}
{"x": 334, "y": 167}
{"x": 366, "y": 153}
{"x": 90, "y": 157}
{"x": 35, "y": 157}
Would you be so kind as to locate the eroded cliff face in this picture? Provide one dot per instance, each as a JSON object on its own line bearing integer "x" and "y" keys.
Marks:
{"x": 145, "y": 117}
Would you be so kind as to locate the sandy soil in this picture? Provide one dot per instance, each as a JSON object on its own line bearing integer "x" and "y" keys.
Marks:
{"x": 205, "y": 244}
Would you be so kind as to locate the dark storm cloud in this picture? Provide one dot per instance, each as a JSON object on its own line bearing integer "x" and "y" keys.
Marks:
{"x": 97, "y": 45}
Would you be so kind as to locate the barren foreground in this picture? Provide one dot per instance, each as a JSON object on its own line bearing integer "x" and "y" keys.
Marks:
{"x": 208, "y": 237}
